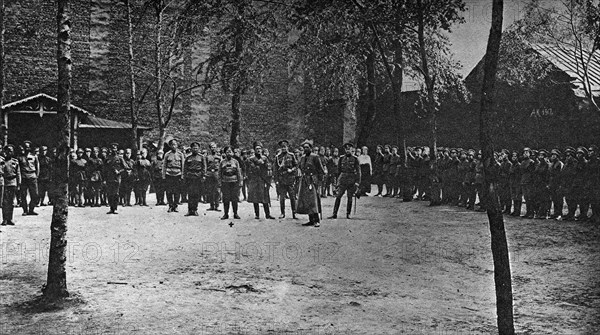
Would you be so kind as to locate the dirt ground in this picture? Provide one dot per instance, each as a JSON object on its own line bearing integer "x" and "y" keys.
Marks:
{"x": 395, "y": 268}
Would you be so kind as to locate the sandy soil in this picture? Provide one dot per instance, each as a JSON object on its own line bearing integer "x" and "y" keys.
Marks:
{"x": 396, "y": 268}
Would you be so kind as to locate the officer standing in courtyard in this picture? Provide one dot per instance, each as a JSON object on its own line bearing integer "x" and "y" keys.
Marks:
{"x": 195, "y": 172}
{"x": 12, "y": 181}
{"x": 348, "y": 180}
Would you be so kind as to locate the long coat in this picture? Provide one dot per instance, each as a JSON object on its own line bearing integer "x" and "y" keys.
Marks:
{"x": 258, "y": 180}
{"x": 308, "y": 199}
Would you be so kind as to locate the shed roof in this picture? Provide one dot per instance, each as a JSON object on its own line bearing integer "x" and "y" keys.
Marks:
{"x": 572, "y": 62}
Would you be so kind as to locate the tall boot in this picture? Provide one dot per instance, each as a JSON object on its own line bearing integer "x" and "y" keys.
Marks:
{"x": 256, "y": 211}
{"x": 336, "y": 207}
{"x": 226, "y": 210}
{"x": 267, "y": 209}
{"x": 234, "y": 204}
{"x": 349, "y": 207}
{"x": 282, "y": 205}
{"x": 293, "y": 205}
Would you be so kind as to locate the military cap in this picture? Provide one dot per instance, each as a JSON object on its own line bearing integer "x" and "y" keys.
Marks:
{"x": 555, "y": 152}
{"x": 194, "y": 142}
{"x": 543, "y": 152}
{"x": 257, "y": 144}
{"x": 526, "y": 149}
{"x": 280, "y": 143}
{"x": 9, "y": 146}
{"x": 505, "y": 151}
{"x": 114, "y": 144}
{"x": 307, "y": 141}
{"x": 593, "y": 147}
{"x": 394, "y": 146}
{"x": 27, "y": 141}
{"x": 348, "y": 145}
{"x": 569, "y": 149}
{"x": 44, "y": 147}
{"x": 533, "y": 152}
{"x": 453, "y": 150}
{"x": 471, "y": 151}
{"x": 171, "y": 140}
{"x": 582, "y": 150}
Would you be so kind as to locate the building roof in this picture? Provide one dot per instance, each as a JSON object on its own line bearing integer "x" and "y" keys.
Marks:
{"x": 90, "y": 121}
{"x": 565, "y": 58}
{"x": 36, "y": 103}
{"x": 16, "y": 104}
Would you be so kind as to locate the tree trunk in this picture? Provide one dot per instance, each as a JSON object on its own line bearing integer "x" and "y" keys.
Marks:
{"x": 398, "y": 77}
{"x": 238, "y": 86}
{"x": 369, "y": 118}
{"x": 502, "y": 279}
{"x": 158, "y": 75}
{"x": 56, "y": 286}
{"x": 3, "y": 124}
{"x": 132, "y": 103}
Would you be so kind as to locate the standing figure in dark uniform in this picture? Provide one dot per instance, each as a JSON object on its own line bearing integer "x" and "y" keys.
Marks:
{"x": 387, "y": 157}
{"x": 94, "y": 175}
{"x": 213, "y": 161}
{"x": 230, "y": 180}
{"x": 259, "y": 181}
{"x": 78, "y": 170}
{"x": 158, "y": 183}
{"x": 378, "y": 169}
{"x": 195, "y": 173}
{"x": 568, "y": 178}
{"x": 30, "y": 167}
{"x": 45, "y": 176}
{"x": 580, "y": 183}
{"x": 541, "y": 188}
{"x": 128, "y": 178}
{"x": 348, "y": 180}
{"x": 308, "y": 198}
{"x": 393, "y": 172}
{"x": 143, "y": 175}
{"x": 504, "y": 182}
{"x": 113, "y": 169}
{"x": 12, "y": 181}
{"x": 527, "y": 170}
{"x": 554, "y": 184}
{"x": 173, "y": 165}
{"x": 515, "y": 184}
{"x": 286, "y": 170}
{"x": 593, "y": 183}
{"x": 333, "y": 165}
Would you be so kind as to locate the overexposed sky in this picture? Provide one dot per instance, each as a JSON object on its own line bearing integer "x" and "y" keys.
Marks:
{"x": 469, "y": 40}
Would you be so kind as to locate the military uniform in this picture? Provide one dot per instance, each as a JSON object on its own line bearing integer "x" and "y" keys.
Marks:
{"x": 527, "y": 167}
{"x": 143, "y": 177}
{"x": 212, "y": 181}
{"x": 127, "y": 181}
{"x": 45, "y": 178}
{"x": 348, "y": 180}
{"x": 259, "y": 184}
{"x": 79, "y": 179}
{"x": 157, "y": 181}
{"x": 452, "y": 186}
{"x": 29, "y": 167}
{"x": 378, "y": 176}
{"x": 308, "y": 199}
{"x": 541, "y": 190}
{"x": 195, "y": 172}
{"x": 286, "y": 170}
{"x": 12, "y": 180}
{"x": 554, "y": 185}
{"x": 94, "y": 175}
{"x": 230, "y": 180}
{"x": 172, "y": 173}
{"x": 568, "y": 175}
{"x": 113, "y": 170}
{"x": 514, "y": 179}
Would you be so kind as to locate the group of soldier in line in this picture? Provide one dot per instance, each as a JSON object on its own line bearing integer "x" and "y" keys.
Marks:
{"x": 545, "y": 180}
{"x": 108, "y": 176}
